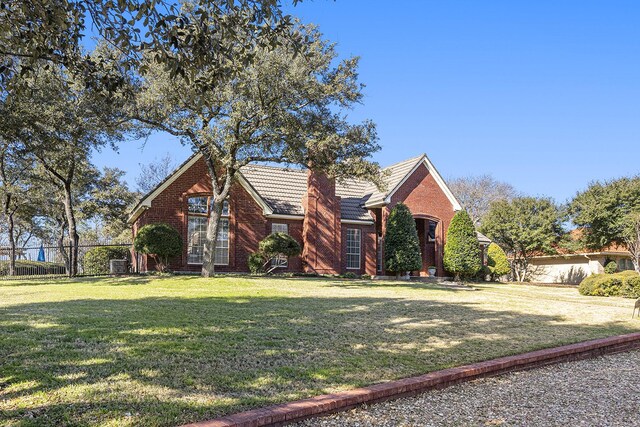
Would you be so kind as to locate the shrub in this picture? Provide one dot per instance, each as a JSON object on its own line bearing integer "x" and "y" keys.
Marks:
{"x": 625, "y": 284}
{"x": 159, "y": 240}
{"x": 96, "y": 260}
{"x": 33, "y": 268}
{"x": 276, "y": 244}
{"x": 497, "y": 262}
{"x": 271, "y": 247}
{"x": 256, "y": 262}
{"x": 401, "y": 244}
{"x": 631, "y": 287}
{"x": 611, "y": 267}
{"x": 350, "y": 275}
{"x": 462, "y": 250}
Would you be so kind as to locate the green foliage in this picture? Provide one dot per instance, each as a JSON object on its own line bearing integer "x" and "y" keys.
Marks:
{"x": 271, "y": 247}
{"x": 159, "y": 240}
{"x": 401, "y": 243}
{"x": 286, "y": 104}
{"x": 33, "y": 268}
{"x": 497, "y": 262}
{"x": 96, "y": 260}
{"x": 462, "y": 250}
{"x": 611, "y": 267}
{"x": 524, "y": 227}
{"x": 631, "y": 287}
{"x": 624, "y": 284}
{"x": 256, "y": 263}
{"x": 350, "y": 275}
{"x": 602, "y": 210}
{"x": 279, "y": 244}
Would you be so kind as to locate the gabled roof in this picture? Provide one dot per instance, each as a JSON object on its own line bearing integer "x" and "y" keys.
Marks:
{"x": 398, "y": 173}
{"x": 280, "y": 190}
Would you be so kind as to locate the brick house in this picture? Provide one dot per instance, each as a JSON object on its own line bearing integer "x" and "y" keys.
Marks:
{"x": 340, "y": 225}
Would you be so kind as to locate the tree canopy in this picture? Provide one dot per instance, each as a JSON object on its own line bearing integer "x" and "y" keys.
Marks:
{"x": 476, "y": 193}
{"x": 524, "y": 227}
{"x": 286, "y": 106}
{"x": 608, "y": 213}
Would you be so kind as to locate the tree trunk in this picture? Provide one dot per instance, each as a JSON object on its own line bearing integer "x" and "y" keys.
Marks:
{"x": 61, "y": 248}
{"x": 74, "y": 238}
{"x": 213, "y": 226}
{"x": 12, "y": 245}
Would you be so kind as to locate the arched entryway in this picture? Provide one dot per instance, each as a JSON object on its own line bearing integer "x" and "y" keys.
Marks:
{"x": 429, "y": 229}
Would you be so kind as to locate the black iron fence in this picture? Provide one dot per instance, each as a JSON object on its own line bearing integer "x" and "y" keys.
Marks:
{"x": 49, "y": 261}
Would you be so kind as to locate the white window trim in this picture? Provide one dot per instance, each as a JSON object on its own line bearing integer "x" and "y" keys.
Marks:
{"x": 359, "y": 233}
{"x": 280, "y": 261}
{"x": 207, "y": 216}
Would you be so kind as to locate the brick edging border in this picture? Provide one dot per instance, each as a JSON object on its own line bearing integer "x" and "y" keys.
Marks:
{"x": 321, "y": 405}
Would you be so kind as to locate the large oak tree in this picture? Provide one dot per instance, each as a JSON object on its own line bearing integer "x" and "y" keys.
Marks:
{"x": 286, "y": 105}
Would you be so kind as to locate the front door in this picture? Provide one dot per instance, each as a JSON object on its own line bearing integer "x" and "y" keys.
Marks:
{"x": 429, "y": 256}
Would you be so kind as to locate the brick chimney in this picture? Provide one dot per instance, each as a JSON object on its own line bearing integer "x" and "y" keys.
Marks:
{"x": 321, "y": 233}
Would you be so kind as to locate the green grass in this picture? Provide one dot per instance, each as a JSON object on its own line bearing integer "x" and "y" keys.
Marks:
{"x": 165, "y": 351}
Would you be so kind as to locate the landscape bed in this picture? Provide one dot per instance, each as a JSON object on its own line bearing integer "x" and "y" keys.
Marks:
{"x": 172, "y": 350}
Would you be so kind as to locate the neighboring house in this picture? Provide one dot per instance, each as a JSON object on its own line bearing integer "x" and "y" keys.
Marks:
{"x": 572, "y": 268}
{"x": 340, "y": 225}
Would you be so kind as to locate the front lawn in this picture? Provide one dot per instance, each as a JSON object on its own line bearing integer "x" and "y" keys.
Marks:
{"x": 144, "y": 351}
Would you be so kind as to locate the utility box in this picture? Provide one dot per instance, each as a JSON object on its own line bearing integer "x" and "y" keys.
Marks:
{"x": 118, "y": 266}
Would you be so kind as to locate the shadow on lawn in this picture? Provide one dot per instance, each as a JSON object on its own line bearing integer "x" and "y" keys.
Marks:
{"x": 173, "y": 360}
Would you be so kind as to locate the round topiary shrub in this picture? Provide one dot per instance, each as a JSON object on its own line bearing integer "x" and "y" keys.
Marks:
{"x": 96, "y": 260}
{"x": 271, "y": 247}
{"x": 159, "y": 240}
{"x": 611, "y": 267}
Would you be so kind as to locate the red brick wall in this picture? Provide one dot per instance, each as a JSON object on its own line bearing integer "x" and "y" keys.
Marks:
{"x": 367, "y": 249}
{"x": 247, "y": 224}
{"x": 321, "y": 232}
{"x": 424, "y": 197}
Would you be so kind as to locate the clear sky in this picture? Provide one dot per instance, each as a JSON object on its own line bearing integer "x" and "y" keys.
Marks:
{"x": 544, "y": 95}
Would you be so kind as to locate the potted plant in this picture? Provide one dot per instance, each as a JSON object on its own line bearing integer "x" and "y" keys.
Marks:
{"x": 432, "y": 270}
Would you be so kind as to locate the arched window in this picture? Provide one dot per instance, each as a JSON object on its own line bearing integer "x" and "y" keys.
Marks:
{"x": 199, "y": 210}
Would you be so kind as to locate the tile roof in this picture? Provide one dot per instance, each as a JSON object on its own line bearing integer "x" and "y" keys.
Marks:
{"x": 283, "y": 188}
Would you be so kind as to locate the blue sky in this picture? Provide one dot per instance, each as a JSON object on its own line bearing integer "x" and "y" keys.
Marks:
{"x": 544, "y": 95}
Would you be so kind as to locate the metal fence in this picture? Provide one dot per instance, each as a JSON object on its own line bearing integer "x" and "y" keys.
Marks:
{"x": 50, "y": 261}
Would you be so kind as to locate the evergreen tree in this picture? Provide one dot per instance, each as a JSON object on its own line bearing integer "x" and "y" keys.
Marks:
{"x": 401, "y": 247}
{"x": 497, "y": 261}
{"x": 462, "y": 250}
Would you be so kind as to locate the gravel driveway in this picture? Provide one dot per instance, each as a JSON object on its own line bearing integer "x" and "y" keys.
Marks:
{"x": 596, "y": 392}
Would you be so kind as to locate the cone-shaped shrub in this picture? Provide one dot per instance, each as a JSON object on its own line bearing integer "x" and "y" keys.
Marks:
{"x": 401, "y": 244}
{"x": 497, "y": 261}
{"x": 462, "y": 250}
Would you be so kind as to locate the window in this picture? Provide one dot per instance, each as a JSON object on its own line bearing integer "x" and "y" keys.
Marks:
{"x": 353, "y": 248}
{"x": 199, "y": 211}
{"x": 281, "y": 260}
{"x": 431, "y": 236}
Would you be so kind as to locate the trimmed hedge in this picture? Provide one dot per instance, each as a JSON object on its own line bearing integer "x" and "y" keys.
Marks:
{"x": 33, "y": 268}
{"x": 624, "y": 284}
{"x": 96, "y": 260}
